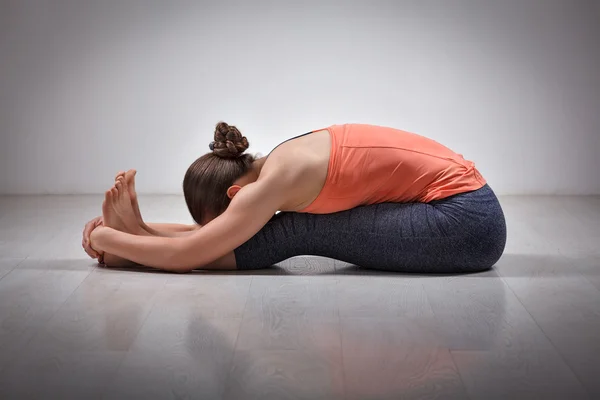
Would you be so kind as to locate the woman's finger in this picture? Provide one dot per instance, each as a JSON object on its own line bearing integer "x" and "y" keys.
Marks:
{"x": 85, "y": 242}
{"x": 88, "y": 249}
{"x": 90, "y": 252}
{"x": 89, "y": 227}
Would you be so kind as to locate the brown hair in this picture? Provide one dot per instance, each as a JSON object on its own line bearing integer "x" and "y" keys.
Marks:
{"x": 206, "y": 181}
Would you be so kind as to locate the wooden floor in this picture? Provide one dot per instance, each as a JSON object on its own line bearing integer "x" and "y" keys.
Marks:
{"x": 311, "y": 328}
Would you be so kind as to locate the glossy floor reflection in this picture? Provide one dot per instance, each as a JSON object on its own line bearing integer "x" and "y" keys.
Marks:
{"x": 309, "y": 328}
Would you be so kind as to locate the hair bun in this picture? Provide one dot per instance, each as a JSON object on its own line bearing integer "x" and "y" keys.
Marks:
{"x": 229, "y": 142}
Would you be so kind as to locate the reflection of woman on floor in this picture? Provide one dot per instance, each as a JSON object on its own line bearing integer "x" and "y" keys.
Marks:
{"x": 372, "y": 196}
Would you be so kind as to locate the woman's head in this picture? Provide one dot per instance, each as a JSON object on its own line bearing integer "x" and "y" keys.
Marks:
{"x": 208, "y": 179}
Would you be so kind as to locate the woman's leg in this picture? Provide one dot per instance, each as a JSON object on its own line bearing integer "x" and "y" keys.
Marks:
{"x": 463, "y": 233}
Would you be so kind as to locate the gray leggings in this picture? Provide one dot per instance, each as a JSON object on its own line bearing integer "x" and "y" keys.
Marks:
{"x": 462, "y": 233}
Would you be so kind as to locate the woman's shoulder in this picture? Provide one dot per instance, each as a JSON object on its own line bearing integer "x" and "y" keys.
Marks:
{"x": 299, "y": 158}
{"x": 283, "y": 160}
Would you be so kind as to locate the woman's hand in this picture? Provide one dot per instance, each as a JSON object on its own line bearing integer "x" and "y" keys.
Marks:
{"x": 94, "y": 238}
{"x": 86, "y": 243}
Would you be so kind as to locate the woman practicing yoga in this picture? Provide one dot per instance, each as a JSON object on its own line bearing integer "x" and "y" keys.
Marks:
{"x": 372, "y": 196}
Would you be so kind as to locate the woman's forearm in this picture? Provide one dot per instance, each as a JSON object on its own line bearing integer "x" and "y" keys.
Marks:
{"x": 158, "y": 229}
{"x": 152, "y": 251}
{"x": 169, "y": 229}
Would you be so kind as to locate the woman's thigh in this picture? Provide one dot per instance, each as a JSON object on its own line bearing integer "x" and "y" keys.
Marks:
{"x": 463, "y": 233}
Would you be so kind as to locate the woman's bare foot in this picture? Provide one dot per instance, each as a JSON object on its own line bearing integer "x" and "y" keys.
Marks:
{"x": 112, "y": 220}
{"x": 110, "y": 217}
{"x": 130, "y": 180}
{"x": 122, "y": 206}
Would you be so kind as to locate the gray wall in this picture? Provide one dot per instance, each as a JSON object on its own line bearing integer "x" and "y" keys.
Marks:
{"x": 91, "y": 87}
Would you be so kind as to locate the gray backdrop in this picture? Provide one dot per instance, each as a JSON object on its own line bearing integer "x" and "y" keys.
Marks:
{"x": 91, "y": 87}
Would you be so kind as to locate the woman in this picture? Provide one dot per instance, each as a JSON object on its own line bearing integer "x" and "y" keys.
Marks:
{"x": 373, "y": 196}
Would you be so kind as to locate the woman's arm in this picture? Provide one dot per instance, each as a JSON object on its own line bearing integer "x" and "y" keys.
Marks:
{"x": 152, "y": 251}
{"x": 252, "y": 207}
{"x": 170, "y": 230}
{"x": 158, "y": 229}
{"x": 225, "y": 263}
{"x": 169, "y": 227}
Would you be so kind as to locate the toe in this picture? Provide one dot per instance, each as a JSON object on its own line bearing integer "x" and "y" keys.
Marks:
{"x": 130, "y": 179}
{"x": 129, "y": 175}
{"x": 120, "y": 173}
{"x": 124, "y": 188}
{"x": 104, "y": 207}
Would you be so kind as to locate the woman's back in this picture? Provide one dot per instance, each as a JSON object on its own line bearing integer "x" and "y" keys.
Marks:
{"x": 349, "y": 165}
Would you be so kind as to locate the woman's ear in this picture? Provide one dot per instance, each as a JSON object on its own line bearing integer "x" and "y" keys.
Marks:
{"x": 232, "y": 191}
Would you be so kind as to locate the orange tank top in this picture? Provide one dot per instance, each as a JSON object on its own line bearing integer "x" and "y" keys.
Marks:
{"x": 373, "y": 164}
